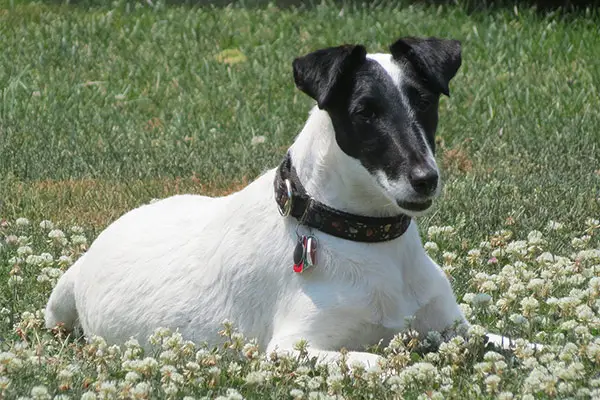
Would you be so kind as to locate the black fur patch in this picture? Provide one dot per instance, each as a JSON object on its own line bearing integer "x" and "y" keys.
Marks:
{"x": 435, "y": 61}
{"x": 321, "y": 73}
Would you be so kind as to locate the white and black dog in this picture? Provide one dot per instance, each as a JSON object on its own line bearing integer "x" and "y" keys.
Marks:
{"x": 340, "y": 265}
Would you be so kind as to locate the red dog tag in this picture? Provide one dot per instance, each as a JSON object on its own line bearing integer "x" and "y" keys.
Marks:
{"x": 299, "y": 254}
{"x": 305, "y": 253}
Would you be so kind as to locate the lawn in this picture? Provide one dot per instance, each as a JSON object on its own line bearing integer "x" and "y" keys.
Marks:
{"x": 105, "y": 107}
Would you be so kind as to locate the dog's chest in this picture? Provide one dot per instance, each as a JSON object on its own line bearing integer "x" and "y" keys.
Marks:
{"x": 381, "y": 286}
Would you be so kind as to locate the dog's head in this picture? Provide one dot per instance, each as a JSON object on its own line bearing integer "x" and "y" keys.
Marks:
{"x": 384, "y": 109}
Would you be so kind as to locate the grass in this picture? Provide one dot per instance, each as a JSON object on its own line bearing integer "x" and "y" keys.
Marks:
{"x": 104, "y": 107}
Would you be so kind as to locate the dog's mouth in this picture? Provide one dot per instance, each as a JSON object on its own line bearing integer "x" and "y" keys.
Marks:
{"x": 415, "y": 206}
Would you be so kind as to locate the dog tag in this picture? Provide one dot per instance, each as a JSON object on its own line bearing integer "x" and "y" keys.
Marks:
{"x": 310, "y": 258}
{"x": 299, "y": 255}
{"x": 305, "y": 253}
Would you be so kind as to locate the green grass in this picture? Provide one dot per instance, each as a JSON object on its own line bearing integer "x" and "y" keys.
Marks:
{"x": 104, "y": 107}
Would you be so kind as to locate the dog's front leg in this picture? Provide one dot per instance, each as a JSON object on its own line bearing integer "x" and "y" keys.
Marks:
{"x": 442, "y": 314}
{"x": 288, "y": 346}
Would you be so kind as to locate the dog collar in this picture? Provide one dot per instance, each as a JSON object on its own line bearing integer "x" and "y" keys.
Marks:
{"x": 292, "y": 200}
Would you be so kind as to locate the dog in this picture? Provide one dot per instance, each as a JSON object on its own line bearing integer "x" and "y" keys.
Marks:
{"x": 322, "y": 248}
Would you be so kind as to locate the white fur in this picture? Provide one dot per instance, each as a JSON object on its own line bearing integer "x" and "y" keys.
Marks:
{"x": 190, "y": 262}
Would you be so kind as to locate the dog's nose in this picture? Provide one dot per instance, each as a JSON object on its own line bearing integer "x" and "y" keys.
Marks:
{"x": 423, "y": 180}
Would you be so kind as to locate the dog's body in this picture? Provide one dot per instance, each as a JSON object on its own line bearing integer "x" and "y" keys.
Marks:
{"x": 191, "y": 262}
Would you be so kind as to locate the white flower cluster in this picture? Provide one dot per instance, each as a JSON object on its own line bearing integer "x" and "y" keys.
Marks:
{"x": 519, "y": 288}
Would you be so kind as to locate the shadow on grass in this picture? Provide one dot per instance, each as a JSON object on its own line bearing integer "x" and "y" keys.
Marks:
{"x": 470, "y": 6}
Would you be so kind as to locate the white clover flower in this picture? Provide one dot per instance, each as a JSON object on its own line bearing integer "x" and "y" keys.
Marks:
{"x": 431, "y": 247}
{"x": 497, "y": 253}
{"x": 170, "y": 389}
{"x": 255, "y": 378}
{"x": 304, "y": 370}
{"x": 141, "y": 389}
{"x": 529, "y": 306}
{"x": 168, "y": 357}
{"x": 580, "y": 243}
{"x": 421, "y": 372}
{"x": 232, "y": 394}
{"x": 251, "y": 350}
{"x": 519, "y": 320}
{"x": 492, "y": 382}
{"x": 449, "y": 257}
{"x": 588, "y": 255}
{"x": 481, "y": 299}
{"x": 296, "y": 394}
{"x": 483, "y": 368}
{"x": 554, "y": 226}
{"x": 505, "y": 396}
{"x": 488, "y": 286}
{"x": 107, "y": 389}
{"x": 535, "y": 238}
{"x": 584, "y": 312}
{"x": 11, "y": 240}
{"x": 335, "y": 382}
{"x": 22, "y": 222}
{"x": 592, "y": 223}
{"x": 46, "y": 225}
{"x": 474, "y": 254}
{"x": 132, "y": 377}
{"x": 40, "y": 392}
{"x": 594, "y": 285}
{"x": 314, "y": 383}
{"x": 33, "y": 260}
{"x": 58, "y": 237}
{"x": 540, "y": 380}
{"x": 517, "y": 247}
{"x": 492, "y": 356}
{"x": 233, "y": 368}
{"x": 78, "y": 240}
{"x": 546, "y": 258}
{"x": 24, "y": 251}
{"x": 476, "y": 331}
{"x": 65, "y": 261}
{"x": 433, "y": 231}
{"x": 466, "y": 310}
{"x": 4, "y": 382}
{"x": 593, "y": 352}
{"x": 536, "y": 284}
{"x": 76, "y": 229}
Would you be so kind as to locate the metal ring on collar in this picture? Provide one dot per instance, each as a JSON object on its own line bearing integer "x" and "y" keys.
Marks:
{"x": 286, "y": 208}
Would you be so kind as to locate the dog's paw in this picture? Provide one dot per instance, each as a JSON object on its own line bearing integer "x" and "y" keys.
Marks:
{"x": 505, "y": 343}
{"x": 366, "y": 360}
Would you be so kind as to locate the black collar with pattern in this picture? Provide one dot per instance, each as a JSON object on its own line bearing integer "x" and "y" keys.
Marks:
{"x": 292, "y": 199}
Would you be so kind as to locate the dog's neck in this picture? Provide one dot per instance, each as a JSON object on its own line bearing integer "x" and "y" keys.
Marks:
{"x": 331, "y": 176}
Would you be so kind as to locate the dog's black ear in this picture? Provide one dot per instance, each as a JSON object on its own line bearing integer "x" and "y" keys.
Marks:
{"x": 319, "y": 74}
{"x": 435, "y": 60}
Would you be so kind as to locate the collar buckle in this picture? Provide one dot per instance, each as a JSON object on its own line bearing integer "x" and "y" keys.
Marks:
{"x": 285, "y": 208}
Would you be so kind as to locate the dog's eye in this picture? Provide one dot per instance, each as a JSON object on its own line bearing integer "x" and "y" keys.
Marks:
{"x": 366, "y": 112}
